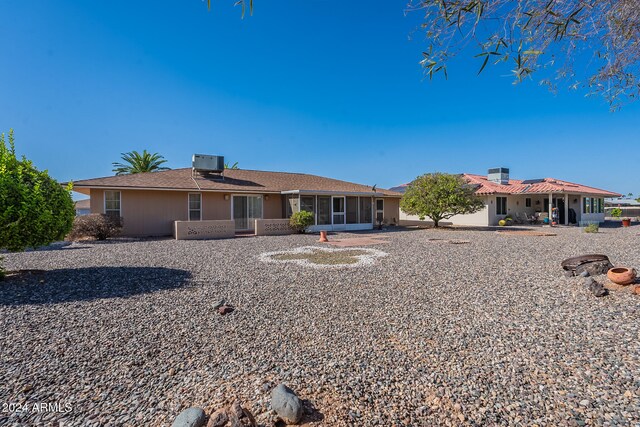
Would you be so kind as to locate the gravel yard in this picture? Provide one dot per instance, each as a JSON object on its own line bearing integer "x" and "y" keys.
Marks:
{"x": 483, "y": 333}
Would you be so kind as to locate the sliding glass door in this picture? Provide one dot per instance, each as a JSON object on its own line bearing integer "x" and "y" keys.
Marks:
{"x": 246, "y": 209}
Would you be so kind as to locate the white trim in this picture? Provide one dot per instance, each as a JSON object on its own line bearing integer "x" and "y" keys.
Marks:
{"x": 189, "y": 206}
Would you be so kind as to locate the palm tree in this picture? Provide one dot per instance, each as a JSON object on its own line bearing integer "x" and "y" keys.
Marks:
{"x": 135, "y": 162}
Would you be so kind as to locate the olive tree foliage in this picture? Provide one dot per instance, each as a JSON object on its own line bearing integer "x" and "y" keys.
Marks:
{"x": 35, "y": 209}
{"x": 594, "y": 45}
{"x": 440, "y": 196}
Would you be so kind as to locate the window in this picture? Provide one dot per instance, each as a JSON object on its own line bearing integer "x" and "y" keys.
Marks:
{"x": 365, "y": 210}
{"x": 195, "y": 206}
{"x": 527, "y": 202}
{"x": 379, "y": 210}
{"x": 592, "y": 205}
{"x": 352, "y": 210}
{"x": 324, "y": 210}
{"x": 290, "y": 204}
{"x": 308, "y": 204}
{"x": 501, "y": 205}
{"x": 112, "y": 203}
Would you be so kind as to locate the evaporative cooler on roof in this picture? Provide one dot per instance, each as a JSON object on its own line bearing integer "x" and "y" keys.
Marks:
{"x": 208, "y": 165}
{"x": 498, "y": 175}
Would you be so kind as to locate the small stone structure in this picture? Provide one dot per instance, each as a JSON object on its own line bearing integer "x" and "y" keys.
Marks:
{"x": 192, "y": 230}
{"x": 273, "y": 227}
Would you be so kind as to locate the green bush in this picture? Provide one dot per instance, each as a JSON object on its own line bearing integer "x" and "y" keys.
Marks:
{"x": 99, "y": 226}
{"x": 616, "y": 212}
{"x": 35, "y": 210}
{"x": 592, "y": 228}
{"x": 302, "y": 220}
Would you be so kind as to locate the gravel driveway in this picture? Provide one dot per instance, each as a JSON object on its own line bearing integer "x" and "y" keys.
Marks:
{"x": 483, "y": 333}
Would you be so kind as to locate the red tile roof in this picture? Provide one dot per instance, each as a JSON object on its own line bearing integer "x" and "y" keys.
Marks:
{"x": 235, "y": 180}
{"x": 534, "y": 186}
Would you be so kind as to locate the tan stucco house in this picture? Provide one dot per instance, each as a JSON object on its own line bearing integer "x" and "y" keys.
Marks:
{"x": 152, "y": 203}
{"x": 523, "y": 199}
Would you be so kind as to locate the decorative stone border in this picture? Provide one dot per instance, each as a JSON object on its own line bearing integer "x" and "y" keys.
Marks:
{"x": 368, "y": 258}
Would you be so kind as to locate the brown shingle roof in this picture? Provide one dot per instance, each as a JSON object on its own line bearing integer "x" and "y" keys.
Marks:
{"x": 235, "y": 180}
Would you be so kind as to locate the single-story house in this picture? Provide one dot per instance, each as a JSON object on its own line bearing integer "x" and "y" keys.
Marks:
{"x": 629, "y": 206}
{"x": 504, "y": 197}
{"x": 83, "y": 207}
{"x": 151, "y": 203}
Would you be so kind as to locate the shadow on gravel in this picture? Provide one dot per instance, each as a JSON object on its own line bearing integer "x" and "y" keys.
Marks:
{"x": 86, "y": 284}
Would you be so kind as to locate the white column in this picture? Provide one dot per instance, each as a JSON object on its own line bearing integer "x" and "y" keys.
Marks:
{"x": 550, "y": 208}
{"x": 566, "y": 209}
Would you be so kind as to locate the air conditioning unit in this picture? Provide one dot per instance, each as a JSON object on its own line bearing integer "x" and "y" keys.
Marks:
{"x": 206, "y": 163}
{"x": 498, "y": 175}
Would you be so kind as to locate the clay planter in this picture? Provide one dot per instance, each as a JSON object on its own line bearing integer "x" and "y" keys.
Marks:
{"x": 622, "y": 275}
{"x": 626, "y": 222}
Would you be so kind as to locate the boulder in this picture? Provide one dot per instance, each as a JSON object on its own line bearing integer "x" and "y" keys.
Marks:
{"x": 595, "y": 288}
{"x": 286, "y": 404}
{"x": 594, "y": 268}
{"x": 191, "y": 417}
{"x": 218, "y": 419}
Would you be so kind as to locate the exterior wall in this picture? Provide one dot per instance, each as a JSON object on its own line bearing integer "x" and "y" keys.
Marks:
{"x": 273, "y": 227}
{"x": 480, "y": 218}
{"x": 153, "y": 212}
{"x": 194, "y": 230}
{"x": 272, "y": 208}
{"x": 391, "y": 210}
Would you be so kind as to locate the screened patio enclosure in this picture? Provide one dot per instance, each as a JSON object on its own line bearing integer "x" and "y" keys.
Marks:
{"x": 334, "y": 212}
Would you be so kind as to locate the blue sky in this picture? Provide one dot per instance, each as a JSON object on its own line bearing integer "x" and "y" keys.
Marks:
{"x": 324, "y": 87}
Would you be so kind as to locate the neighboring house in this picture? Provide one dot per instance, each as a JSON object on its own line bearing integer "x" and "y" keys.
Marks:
{"x": 83, "y": 207}
{"x": 150, "y": 203}
{"x": 503, "y": 196}
{"x": 630, "y": 207}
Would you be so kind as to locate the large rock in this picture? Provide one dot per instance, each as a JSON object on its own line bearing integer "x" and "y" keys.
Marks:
{"x": 595, "y": 268}
{"x": 286, "y": 404}
{"x": 192, "y": 417}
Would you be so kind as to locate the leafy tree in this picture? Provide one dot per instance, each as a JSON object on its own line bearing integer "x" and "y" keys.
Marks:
{"x": 440, "y": 196}
{"x": 135, "y": 162}
{"x": 35, "y": 210}
{"x": 601, "y": 38}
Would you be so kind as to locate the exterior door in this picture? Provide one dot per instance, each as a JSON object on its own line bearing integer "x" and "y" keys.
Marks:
{"x": 246, "y": 209}
{"x": 338, "y": 210}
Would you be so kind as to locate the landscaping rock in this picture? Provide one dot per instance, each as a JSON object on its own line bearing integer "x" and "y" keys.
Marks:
{"x": 191, "y": 417}
{"x": 584, "y": 273}
{"x": 596, "y": 288}
{"x": 286, "y": 404}
{"x": 595, "y": 268}
{"x": 239, "y": 416}
{"x": 218, "y": 419}
{"x": 225, "y": 309}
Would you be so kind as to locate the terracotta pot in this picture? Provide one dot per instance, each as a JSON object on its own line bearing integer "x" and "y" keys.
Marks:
{"x": 626, "y": 222}
{"x": 636, "y": 290}
{"x": 622, "y": 275}
{"x": 323, "y": 237}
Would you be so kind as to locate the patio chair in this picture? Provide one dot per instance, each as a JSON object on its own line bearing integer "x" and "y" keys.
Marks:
{"x": 518, "y": 218}
{"x": 530, "y": 219}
